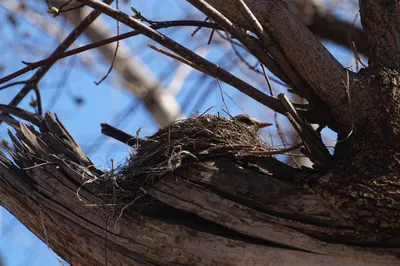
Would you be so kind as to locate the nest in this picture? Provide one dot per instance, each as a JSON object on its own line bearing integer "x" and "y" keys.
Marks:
{"x": 186, "y": 141}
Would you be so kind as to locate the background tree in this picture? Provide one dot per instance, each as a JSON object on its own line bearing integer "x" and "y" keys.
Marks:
{"x": 332, "y": 213}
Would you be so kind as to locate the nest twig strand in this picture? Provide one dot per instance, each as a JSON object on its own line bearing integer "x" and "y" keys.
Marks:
{"x": 187, "y": 140}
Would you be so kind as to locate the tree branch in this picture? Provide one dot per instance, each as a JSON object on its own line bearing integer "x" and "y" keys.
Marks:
{"x": 303, "y": 50}
{"x": 249, "y": 211}
{"x": 222, "y": 74}
{"x": 326, "y": 25}
{"x": 34, "y": 80}
{"x": 134, "y": 75}
{"x": 381, "y": 21}
{"x": 278, "y": 65}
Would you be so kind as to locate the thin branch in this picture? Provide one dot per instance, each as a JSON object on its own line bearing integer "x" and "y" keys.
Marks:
{"x": 180, "y": 59}
{"x": 34, "y": 80}
{"x": 250, "y": 43}
{"x": 12, "y": 84}
{"x": 235, "y": 46}
{"x": 38, "y": 100}
{"x": 354, "y": 47}
{"x": 271, "y": 91}
{"x": 314, "y": 64}
{"x": 295, "y": 81}
{"x": 54, "y": 58}
{"x": 222, "y": 96}
{"x": 198, "y": 28}
{"x": 115, "y": 53}
{"x": 218, "y": 72}
{"x": 277, "y": 151}
{"x": 120, "y": 135}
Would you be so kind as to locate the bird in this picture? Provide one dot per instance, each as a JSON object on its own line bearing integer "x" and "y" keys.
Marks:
{"x": 251, "y": 122}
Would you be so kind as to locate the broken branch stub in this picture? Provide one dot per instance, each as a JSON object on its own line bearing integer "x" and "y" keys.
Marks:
{"x": 248, "y": 208}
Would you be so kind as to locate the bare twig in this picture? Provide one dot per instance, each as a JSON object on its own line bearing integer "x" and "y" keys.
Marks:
{"x": 357, "y": 56}
{"x": 222, "y": 96}
{"x": 115, "y": 54}
{"x": 12, "y": 84}
{"x": 54, "y": 58}
{"x": 299, "y": 85}
{"x": 38, "y": 100}
{"x": 34, "y": 80}
{"x": 222, "y": 74}
{"x": 178, "y": 58}
{"x": 277, "y": 151}
{"x": 198, "y": 28}
{"x": 251, "y": 44}
{"x": 211, "y": 36}
{"x": 235, "y": 46}
{"x": 271, "y": 91}
{"x": 352, "y": 45}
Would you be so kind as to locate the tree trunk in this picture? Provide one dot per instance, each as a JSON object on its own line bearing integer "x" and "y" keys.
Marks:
{"x": 246, "y": 210}
{"x": 233, "y": 208}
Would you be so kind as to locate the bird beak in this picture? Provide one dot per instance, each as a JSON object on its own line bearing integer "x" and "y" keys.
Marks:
{"x": 262, "y": 125}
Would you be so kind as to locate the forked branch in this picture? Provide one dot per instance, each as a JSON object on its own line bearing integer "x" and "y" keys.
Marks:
{"x": 303, "y": 50}
{"x": 222, "y": 74}
{"x": 71, "y": 38}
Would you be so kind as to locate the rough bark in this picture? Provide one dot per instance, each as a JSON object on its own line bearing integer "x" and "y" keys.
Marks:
{"x": 231, "y": 211}
{"x": 301, "y": 48}
{"x": 381, "y": 21}
{"x": 326, "y": 25}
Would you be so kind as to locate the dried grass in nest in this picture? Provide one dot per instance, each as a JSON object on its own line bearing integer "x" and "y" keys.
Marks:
{"x": 184, "y": 141}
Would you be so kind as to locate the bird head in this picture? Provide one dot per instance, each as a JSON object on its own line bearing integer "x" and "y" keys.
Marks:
{"x": 251, "y": 121}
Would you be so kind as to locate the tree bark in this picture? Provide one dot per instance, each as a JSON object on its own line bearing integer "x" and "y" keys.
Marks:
{"x": 229, "y": 208}
{"x": 250, "y": 209}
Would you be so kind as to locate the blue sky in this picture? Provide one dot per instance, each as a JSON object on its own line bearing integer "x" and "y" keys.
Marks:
{"x": 67, "y": 81}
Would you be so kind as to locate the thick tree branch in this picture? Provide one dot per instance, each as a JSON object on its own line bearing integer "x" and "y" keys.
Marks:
{"x": 326, "y": 25}
{"x": 278, "y": 65}
{"x": 303, "y": 50}
{"x": 249, "y": 211}
{"x": 381, "y": 21}
{"x": 218, "y": 72}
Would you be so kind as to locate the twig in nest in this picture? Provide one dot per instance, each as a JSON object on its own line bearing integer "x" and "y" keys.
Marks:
{"x": 187, "y": 139}
{"x": 126, "y": 206}
{"x": 278, "y": 151}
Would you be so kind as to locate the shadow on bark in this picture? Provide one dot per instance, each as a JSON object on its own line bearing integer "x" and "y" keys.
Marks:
{"x": 219, "y": 207}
